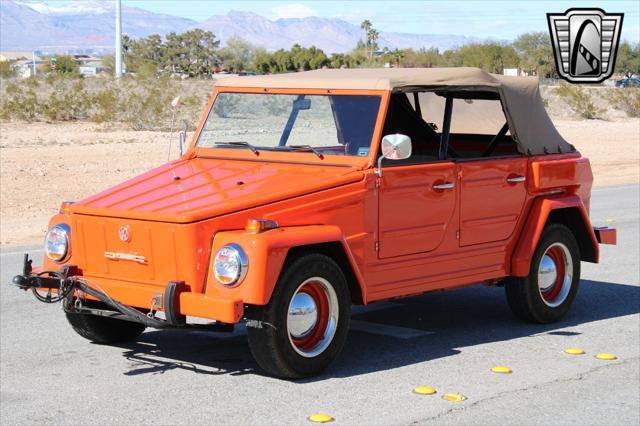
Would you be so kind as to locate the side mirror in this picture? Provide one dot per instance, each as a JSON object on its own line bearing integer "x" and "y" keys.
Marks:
{"x": 394, "y": 147}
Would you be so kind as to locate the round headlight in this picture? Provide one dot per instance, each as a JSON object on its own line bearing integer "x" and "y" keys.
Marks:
{"x": 230, "y": 265}
{"x": 56, "y": 243}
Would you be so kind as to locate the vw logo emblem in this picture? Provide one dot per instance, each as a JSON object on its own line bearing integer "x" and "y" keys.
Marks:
{"x": 123, "y": 233}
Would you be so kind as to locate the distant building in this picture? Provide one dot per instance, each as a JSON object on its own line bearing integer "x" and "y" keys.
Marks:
{"x": 14, "y": 56}
{"x": 24, "y": 67}
{"x": 88, "y": 61}
{"x": 88, "y": 71}
{"x": 514, "y": 72}
{"x": 89, "y": 66}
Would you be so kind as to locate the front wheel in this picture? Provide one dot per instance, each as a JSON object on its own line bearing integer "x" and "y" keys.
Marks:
{"x": 546, "y": 294}
{"x": 304, "y": 326}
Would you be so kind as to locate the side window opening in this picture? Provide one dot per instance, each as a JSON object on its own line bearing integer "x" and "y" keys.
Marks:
{"x": 403, "y": 118}
{"x": 478, "y": 127}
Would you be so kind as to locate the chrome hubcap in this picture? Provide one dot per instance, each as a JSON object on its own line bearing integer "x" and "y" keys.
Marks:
{"x": 547, "y": 273}
{"x": 555, "y": 274}
{"x": 312, "y": 318}
{"x": 303, "y": 315}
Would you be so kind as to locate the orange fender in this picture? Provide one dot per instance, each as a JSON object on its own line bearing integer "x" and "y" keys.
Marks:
{"x": 538, "y": 216}
{"x": 266, "y": 253}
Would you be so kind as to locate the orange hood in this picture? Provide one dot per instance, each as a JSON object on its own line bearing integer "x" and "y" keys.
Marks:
{"x": 186, "y": 191}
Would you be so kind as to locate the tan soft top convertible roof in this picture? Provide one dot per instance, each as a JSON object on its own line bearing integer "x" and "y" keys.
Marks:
{"x": 529, "y": 123}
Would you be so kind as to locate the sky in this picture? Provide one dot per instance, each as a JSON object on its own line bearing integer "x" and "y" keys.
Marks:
{"x": 503, "y": 20}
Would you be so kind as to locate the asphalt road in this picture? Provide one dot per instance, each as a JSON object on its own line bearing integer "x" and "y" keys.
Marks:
{"x": 448, "y": 341}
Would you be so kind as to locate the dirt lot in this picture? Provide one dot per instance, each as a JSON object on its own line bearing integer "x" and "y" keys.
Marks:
{"x": 43, "y": 164}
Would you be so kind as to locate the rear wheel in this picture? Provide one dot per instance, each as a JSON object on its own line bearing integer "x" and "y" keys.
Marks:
{"x": 104, "y": 330}
{"x": 546, "y": 294}
{"x": 305, "y": 325}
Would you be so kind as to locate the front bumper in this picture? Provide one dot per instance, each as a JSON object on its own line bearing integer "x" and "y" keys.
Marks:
{"x": 186, "y": 302}
{"x": 175, "y": 300}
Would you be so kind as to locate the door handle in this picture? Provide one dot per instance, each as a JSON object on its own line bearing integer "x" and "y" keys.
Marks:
{"x": 446, "y": 185}
{"x": 516, "y": 179}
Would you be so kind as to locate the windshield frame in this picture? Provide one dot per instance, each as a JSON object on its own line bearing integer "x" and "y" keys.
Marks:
{"x": 302, "y": 157}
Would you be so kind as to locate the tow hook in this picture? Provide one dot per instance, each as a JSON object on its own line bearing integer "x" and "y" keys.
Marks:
{"x": 72, "y": 289}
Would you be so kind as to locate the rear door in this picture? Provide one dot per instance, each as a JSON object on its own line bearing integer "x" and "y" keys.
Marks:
{"x": 492, "y": 172}
{"x": 492, "y": 196}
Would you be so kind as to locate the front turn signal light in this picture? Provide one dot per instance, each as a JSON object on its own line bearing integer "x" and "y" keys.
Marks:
{"x": 65, "y": 207}
{"x": 256, "y": 226}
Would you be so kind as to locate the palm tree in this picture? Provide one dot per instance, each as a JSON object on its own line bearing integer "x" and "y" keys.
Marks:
{"x": 366, "y": 26}
{"x": 397, "y": 55}
{"x": 373, "y": 38}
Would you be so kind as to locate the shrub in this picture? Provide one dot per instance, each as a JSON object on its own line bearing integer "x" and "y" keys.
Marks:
{"x": 579, "y": 100}
{"x": 146, "y": 105}
{"x": 21, "y": 103}
{"x": 627, "y": 100}
{"x": 139, "y": 103}
{"x": 7, "y": 70}
{"x": 65, "y": 65}
{"x": 68, "y": 105}
{"x": 106, "y": 105}
{"x": 31, "y": 82}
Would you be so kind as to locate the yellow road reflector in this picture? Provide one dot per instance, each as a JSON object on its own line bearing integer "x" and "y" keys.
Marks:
{"x": 321, "y": 418}
{"x": 574, "y": 351}
{"x": 424, "y": 390}
{"x": 501, "y": 369}
{"x": 607, "y": 357}
{"x": 609, "y": 220}
{"x": 454, "y": 397}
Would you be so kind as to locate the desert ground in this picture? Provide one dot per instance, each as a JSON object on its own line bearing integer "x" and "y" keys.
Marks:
{"x": 42, "y": 164}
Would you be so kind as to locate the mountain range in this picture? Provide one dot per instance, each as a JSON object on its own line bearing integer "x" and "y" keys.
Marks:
{"x": 89, "y": 25}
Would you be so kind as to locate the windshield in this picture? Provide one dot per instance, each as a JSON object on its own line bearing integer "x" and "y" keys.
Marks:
{"x": 323, "y": 124}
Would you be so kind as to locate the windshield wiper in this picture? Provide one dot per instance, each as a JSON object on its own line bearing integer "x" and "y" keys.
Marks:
{"x": 301, "y": 148}
{"x": 240, "y": 143}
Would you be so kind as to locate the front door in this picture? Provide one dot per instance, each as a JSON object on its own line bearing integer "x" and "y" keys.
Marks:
{"x": 416, "y": 204}
{"x": 492, "y": 196}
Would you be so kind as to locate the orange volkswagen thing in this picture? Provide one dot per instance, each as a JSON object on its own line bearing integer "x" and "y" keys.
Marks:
{"x": 302, "y": 194}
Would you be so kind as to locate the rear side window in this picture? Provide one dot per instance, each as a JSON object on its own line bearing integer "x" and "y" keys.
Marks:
{"x": 477, "y": 116}
{"x": 478, "y": 125}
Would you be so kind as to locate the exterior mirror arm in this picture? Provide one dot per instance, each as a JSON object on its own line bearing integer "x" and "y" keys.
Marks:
{"x": 379, "y": 168}
{"x": 395, "y": 147}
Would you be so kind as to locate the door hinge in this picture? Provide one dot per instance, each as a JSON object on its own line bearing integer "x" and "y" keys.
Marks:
{"x": 378, "y": 182}
{"x": 458, "y": 234}
{"x": 459, "y": 174}
{"x": 377, "y": 245}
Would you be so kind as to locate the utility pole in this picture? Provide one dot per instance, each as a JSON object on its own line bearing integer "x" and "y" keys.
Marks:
{"x": 118, "y": 39}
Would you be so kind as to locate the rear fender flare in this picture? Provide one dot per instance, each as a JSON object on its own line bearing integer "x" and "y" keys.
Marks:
{"x": 568, "y": 210}
{"x": 267, "y": 252}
